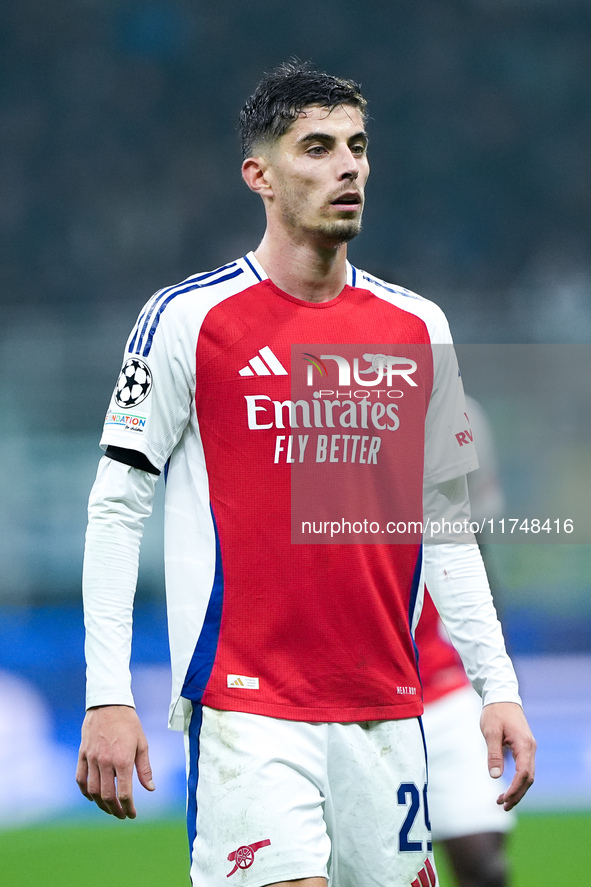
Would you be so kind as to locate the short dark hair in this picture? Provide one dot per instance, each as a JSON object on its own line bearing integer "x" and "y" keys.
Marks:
{"x": 282, "y": 95}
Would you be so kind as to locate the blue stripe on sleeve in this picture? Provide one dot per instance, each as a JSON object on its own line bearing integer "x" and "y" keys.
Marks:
{"x": 163, "y": 305}
{"x": 144, "y": 318}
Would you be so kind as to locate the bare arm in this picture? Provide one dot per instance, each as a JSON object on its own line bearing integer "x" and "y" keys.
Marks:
{"x": 113, "y": 742}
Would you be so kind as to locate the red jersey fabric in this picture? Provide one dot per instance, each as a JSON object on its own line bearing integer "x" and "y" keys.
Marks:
{"x": 302, "y": 619}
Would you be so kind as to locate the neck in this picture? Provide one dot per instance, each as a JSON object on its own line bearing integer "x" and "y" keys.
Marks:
{"x": 304, "y": 270}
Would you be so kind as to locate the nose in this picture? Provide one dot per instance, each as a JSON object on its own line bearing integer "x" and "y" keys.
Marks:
{"x": 349, "y": 166}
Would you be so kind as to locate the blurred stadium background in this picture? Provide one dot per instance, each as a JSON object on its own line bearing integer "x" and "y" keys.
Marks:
{"x": 120, "y": 173}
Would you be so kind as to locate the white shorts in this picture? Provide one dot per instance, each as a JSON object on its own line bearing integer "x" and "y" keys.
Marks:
{"x": 273, "y": 800}
{"x": 462, "y": 796}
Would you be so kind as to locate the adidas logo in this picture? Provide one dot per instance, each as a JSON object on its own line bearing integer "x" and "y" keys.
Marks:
{"x": 426, "y": 877}
{"x": 258, "y": 367}
{"x": 243, "y": 682}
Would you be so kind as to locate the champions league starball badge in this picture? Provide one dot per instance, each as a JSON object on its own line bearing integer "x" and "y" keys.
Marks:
{"x": 133, "y": 384}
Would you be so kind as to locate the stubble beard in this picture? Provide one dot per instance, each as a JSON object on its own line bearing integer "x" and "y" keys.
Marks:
{"x": 326, "y": 232}
{"x": 338, "y": 232}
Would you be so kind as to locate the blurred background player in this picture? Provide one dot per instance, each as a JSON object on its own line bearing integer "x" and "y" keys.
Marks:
{"x": 465, "y": 817}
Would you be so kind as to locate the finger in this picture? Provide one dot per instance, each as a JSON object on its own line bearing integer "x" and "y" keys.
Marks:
{"x": 144, "y": 770}
{"x": 496, "y": 760}
{"x": 82, "y": 776}
{"x": 102, "y": 805}
{"x": 521, "y": 782}
{"x": 103, "y": 786}
{"x": 94, "y": 786}
{"x": 125, "y": 793}
{"x": 515, "y": 792}
{"x": 109, "y": 802}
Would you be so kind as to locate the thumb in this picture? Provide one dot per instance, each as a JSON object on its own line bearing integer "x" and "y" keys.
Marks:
{"x": 496, "y": 759}
{"x": 144, "y": 770}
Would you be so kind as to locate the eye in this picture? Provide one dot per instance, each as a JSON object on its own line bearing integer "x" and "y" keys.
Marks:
{"x": 317, "y": 150}
{"x": 358, "y": 150}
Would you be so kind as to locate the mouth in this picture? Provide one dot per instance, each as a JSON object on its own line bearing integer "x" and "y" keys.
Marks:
{"x": 350, "y": 201}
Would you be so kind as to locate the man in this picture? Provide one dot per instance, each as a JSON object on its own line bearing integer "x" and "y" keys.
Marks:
{"x": 294, "y": 671}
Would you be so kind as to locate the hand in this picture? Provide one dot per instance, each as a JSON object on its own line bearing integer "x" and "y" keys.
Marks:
{"x": 503, "y": 724}
{"x": 112, "y": 742}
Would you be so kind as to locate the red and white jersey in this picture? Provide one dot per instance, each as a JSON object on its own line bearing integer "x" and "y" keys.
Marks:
{"x": 315, "y": 632}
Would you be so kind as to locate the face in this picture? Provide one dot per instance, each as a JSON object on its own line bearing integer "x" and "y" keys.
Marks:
{"x": 317, "y": 173}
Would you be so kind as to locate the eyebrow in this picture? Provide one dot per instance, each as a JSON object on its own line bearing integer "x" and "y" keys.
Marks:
{"x": 330, "y": 139}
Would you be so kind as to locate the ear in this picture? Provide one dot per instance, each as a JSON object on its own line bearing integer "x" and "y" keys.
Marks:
{"x": 254, "y": 173}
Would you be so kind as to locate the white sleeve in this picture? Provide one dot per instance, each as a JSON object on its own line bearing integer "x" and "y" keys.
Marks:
{"x": 456, "y": 579}
{"x": 155, "y": 391}
{"x": 449, "y": 446}
{"x": 120, "y": 500}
